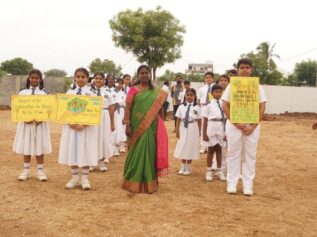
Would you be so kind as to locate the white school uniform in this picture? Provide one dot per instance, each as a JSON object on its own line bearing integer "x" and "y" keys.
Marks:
{"x": 120, "y": 135}
{"x": 203, "y": 102}
{"x": 215, "y": 129}
{"x": 188, "y": 145}
{"x": 31, "y": 139}
{"x": 181, "y": 96}
{"x": 241, "y": 147}
{"x": 105, "y": 149}
{"x": 79, "y": 148}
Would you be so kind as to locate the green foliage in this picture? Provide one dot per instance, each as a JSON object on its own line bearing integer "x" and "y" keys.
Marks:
{"x": 17, "y": 66}
{"x": 55, "y": 73}
{"x": 105, "y": 66}
{"x": 153, "y": 36}
{"x": 68, "y": 81}
{"x": 305, "y": 72}
{"x": 2, "y": 73}
{"x": 264, "y": 65}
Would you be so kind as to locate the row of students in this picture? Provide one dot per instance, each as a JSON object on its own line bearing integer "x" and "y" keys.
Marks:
{"x": 214, "y": 107}
{"x": 81, "y": 146}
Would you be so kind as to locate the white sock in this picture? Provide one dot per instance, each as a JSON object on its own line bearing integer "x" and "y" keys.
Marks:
{"x": 189, "y": 167}
{"x": 101, "y": 163}
{"x": 75, "y": 173}
{"x": 27, "y": 166}
{"x": 209, "y": 169}
{"x": 84, "y": 174}
{"x": 183, "y": 167}
{"x": 40, "y": 167}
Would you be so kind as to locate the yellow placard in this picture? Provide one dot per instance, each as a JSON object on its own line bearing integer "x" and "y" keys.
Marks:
{"x": 78, "y": 109}
{"x": 244, "y": 99}
{"x": 26, "y": 108}
{"x": 210, "y": 96}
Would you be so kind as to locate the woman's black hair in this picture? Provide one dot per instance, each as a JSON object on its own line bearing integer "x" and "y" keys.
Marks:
{"x": 192, "y": 90}
{"x": 39, "y": 74}
{"x": 151, "y": 87}
{"x": 83, "y": 70}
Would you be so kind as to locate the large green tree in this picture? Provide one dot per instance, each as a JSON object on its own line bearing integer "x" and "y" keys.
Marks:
{"x": 153, "y": 36}
{"x": 105, "y": 66}
{"x": 264, "y": 65}
{"x": 55, "y": 73}
{"x": 17, "y": 66}
{"x": 305, "y": 72}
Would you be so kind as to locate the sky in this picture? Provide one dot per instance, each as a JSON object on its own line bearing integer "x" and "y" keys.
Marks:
{"x": 67, "y": 34}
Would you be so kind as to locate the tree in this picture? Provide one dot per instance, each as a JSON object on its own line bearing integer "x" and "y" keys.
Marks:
{"x": 105, "y": 66}
{"x": 17, "y": 66}
{"x": 305, "y": 72}
{"x": 153, "y": 36}
{"x": 264, "y": 65}
{"x": 2, "y": 73}
{"x": 167, "y": 76}
{"x": 55, "y": 73}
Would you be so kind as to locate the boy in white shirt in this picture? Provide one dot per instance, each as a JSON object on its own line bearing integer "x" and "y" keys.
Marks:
{"x": 204, "y": 96}
{"x": 242, "y": 139}
{"x": 181, "y": 96}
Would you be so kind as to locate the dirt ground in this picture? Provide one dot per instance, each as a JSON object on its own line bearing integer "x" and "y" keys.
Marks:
{"x": 284, "y": 204}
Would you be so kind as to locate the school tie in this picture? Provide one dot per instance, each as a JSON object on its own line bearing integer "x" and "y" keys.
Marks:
{"x": 186, "y": 120}
{"x": 125, "y": 90}
{"x": 79, "y": 91}
{"x": 33, "y": 91}
{"x": 98, "y": 92}
{"x": 208, "y": 92}
{"x": 222, "y": 114}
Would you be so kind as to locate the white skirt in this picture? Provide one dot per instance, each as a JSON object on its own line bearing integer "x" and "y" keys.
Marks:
{"x": 105, "y": 148}
{"x": 32, "y": 140}
{"x": 188, "y": 145}
{"x": 215, "y": 133}
{"x": 119, "y": 135}
{"x": 79, "y": 148}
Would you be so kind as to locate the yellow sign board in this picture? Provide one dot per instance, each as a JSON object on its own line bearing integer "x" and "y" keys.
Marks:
{"x": 26, "y": 108}
{"x": 78, "y": 109}
{"x": 244, "y": 99}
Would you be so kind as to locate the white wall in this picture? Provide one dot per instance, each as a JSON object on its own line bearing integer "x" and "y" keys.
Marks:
{"x": 285, "y": 98}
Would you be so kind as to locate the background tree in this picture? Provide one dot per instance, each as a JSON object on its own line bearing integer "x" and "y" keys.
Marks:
{"x": 305, "y": 72}
{"x": 264, "y": 65}
{"x": 105, "y": 66}
{"x": 55, "y": 73}
{"x": 17, "y": 66}
{"x": 2, "y": 73}
{"x": 153, "y": 36}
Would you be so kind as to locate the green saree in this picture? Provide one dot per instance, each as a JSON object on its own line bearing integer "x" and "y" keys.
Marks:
{"x": 140, "y": 173}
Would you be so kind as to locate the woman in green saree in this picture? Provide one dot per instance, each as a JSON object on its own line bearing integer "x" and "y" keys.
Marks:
{"x": 148, "y": 156}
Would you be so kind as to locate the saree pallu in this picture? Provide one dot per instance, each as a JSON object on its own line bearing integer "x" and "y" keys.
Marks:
{"x": 140, "y": 169}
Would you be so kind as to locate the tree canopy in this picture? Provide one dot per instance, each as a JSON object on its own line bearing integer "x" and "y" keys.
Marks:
{"x": 154, "y": 36}
{"x": 17, "y": 66}
{"x": 55, "y": 73}
{"x": 105, "y": 66}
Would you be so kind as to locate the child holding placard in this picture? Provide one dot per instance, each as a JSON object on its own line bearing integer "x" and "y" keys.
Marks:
{"x": 105, "y": 148}
{"x": 79, "y": 145}
{"x": 33, "y": 138}
{"x": 242, "y": 139}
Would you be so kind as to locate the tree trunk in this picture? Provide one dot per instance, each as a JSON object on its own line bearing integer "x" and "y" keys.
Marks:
{"x": 154, "y": 73}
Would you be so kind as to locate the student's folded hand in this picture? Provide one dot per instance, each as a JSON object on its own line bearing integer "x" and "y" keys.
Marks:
{"x": 240, "y": 126}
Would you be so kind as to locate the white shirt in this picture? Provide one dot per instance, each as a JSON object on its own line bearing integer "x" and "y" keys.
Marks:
{"x": 202, "y": 93}
{"x": 181, "y": 96}
{"x": 226, "y": 95}
{"x": 37, "y": 91}
{"x": 212, "y": 110}
{"x": 121, "y": 97}
{"x": 107, "y": 98}
{"x": 194, "y": 112}
{"x": 85, "y": 90}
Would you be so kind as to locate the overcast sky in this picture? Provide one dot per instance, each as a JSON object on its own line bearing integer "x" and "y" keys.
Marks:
{"x": 67, "y": 34}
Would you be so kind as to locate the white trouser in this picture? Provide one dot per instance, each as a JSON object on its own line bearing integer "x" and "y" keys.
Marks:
{"x": 241, "y": 147}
